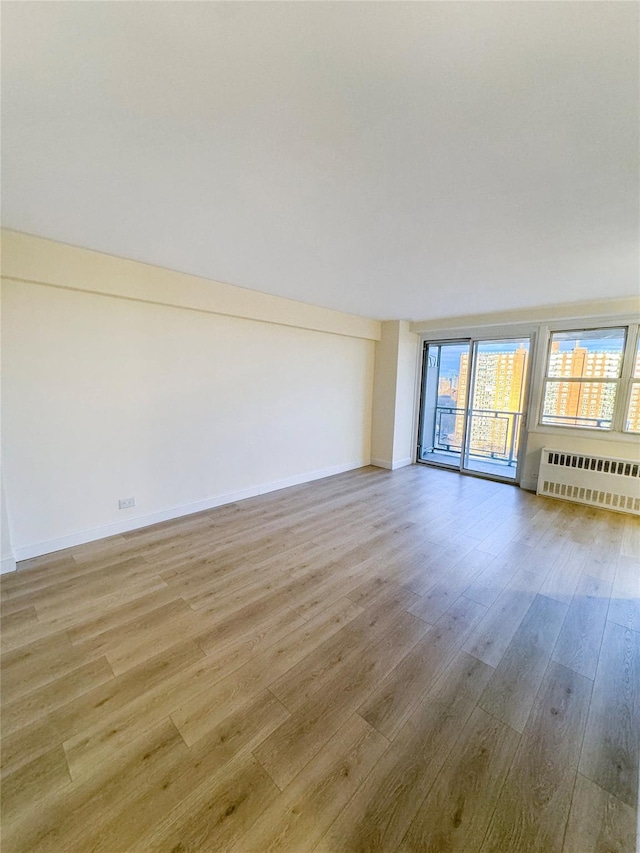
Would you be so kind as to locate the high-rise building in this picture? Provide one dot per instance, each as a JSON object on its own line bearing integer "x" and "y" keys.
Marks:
{"x": 588, "y": 404}
{"x": 498, "y": 394}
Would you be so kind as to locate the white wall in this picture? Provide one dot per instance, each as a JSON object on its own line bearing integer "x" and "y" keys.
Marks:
{"x": 107, "y": 398}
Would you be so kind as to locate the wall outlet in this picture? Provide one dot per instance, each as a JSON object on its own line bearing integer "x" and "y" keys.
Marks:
{"x": 125, "y": 503}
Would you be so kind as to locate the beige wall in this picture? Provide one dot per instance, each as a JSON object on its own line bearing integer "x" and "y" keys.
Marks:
{"x": 33, "y": 259}
{"x": 107, "y": 398}
{"x": 403, "y": 436}
{"x": 7, "y": 559}
{"x": 394, "y": 395}
{"x": 384, "y": 396}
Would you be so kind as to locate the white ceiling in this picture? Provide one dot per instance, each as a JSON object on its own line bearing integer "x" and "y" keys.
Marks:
{"x": 387, "y": 159}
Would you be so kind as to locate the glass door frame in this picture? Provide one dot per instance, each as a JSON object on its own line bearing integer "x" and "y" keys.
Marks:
{"x": 472, "y": 341}
{"x": 464, "y": 341}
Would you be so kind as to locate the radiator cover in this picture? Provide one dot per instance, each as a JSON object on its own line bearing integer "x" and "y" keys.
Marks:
{"x": 603, "y": 481}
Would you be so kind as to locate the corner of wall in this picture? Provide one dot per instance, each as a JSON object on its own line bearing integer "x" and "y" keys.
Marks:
{"x": 382, "y": 463}
{"x": 384, "y": 393}
{"x": 7, "y": 558}
{"x": 394, "y": 395}
{"x": 529, "y": 484}
{"x": 7, "y": 565}
{"x": 405, "y": 409}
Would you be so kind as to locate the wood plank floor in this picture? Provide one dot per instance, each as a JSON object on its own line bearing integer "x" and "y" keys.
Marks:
{"x": 371, "y": 663}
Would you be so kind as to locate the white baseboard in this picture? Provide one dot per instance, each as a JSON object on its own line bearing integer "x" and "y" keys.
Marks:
{"x": 7, "y": 565}
{"x": 81, "y": 537}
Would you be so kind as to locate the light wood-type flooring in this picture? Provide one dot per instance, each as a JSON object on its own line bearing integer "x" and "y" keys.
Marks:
{"x": 407, "y": 661}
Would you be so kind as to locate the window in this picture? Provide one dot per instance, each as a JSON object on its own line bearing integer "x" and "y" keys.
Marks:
{"x": 582, "y": 378}
{"x": 632, "y": 420}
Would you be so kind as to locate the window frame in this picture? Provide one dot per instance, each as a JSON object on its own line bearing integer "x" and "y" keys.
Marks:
{"x": 632, "y": 380}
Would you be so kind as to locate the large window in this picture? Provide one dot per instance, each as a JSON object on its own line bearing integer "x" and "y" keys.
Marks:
{"x": 582, "y": 378}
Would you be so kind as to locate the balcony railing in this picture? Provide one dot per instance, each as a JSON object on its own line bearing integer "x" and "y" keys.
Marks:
{"x": 493, "y": 434}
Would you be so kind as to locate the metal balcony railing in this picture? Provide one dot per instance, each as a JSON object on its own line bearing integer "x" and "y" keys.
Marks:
{"x": 493, "y": 434}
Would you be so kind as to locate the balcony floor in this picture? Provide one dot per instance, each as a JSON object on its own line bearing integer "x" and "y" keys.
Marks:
{"x": 479, "y": 464}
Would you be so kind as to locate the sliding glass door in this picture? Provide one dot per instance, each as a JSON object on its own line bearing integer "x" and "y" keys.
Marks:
{"x": 444, "y": 381}
{"x": 473, "y": 405}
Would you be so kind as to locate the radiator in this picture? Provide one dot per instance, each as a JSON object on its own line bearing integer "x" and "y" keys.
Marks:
{"x": 594, "y": 480}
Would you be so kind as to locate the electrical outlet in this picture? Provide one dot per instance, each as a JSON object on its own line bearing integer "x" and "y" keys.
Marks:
{"x": 125, "y": 503}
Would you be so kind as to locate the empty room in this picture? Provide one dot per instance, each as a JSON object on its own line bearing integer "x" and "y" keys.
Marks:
{"x": 320, "y": 413}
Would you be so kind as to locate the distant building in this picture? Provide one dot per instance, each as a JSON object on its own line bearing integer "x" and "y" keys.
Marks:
{"x": 588, "y": 404}
{"x": 499, "y": 387}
